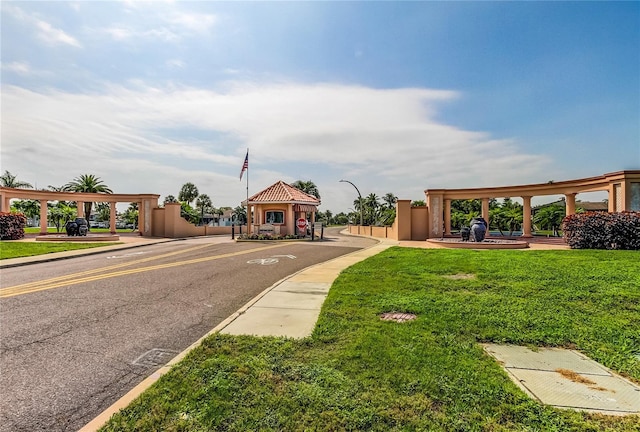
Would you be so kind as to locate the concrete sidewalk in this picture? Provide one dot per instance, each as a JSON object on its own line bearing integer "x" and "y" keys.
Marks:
{"x": 291, "y": 307}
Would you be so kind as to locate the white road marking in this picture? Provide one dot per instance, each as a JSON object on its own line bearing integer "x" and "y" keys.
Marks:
{"x": 125, "y": 255}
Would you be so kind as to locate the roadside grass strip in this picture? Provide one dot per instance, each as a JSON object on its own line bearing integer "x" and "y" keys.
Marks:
{"x": 359, "y": 372}
{"x": 10, "y": 249}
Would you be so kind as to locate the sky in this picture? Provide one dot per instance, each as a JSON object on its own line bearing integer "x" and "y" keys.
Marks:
{"x": 393, "y": 96}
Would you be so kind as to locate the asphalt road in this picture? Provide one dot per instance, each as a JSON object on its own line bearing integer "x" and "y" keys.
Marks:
{"x": 76, "y": 335}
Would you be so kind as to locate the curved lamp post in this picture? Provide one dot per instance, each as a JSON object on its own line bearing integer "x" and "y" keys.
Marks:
{"x": 359, "y": 197}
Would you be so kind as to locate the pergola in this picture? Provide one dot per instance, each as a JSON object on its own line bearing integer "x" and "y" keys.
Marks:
{"x": 146, "y": 203}
{"x": 623, "y": 188}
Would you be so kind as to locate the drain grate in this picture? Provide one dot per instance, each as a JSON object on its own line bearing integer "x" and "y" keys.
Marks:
{"x": 397, "y": 316}
{"x": 155, "y": 357}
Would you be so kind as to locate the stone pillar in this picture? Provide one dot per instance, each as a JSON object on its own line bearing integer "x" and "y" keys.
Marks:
{"x": 112, "y": 217}
{"x": 611, "y": 198}
{"x": 570, "y": 200}
{"x": 80, "y": 209}
{"x": 526, "y": 216}
{"x": 485, "y": 211}
{"x": 43, "y": 217}
{"x": 142, "y": 214}
{"x": 5, "y": 202}
{"x": 435, "y": 203}
{"x": 447, "y": 217}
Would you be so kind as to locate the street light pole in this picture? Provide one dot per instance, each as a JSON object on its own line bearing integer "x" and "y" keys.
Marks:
{"x": 359, "y": 197}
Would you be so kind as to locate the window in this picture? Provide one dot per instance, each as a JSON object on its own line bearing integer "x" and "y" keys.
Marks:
{"x": 274, "y": 217}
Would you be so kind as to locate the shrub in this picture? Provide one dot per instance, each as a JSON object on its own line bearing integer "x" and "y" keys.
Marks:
{"x": 12, "y": 226}
{"x": 599, "y": 230}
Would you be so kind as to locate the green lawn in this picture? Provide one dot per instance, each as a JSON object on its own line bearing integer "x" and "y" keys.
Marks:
{"x": 359, "y": 373}
{"x": 10, "y": 249}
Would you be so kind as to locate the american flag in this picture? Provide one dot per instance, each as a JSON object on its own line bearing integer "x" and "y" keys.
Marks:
{"x": 245, "y": 165}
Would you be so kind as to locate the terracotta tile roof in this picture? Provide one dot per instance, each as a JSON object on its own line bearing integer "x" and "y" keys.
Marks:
{"x": 281, "y": 192}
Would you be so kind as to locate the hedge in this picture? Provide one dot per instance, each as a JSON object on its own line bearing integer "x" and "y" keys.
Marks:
{"x": 12, "y": 226}
{"x": 600, "y": 230}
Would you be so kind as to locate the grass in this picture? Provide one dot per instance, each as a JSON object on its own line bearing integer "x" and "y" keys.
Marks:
{"x": 9, "y": 249}
{"x": 357, "y": 372}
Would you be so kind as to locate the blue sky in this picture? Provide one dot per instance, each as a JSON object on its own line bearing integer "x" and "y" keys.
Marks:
{"x": 393, "y": 96}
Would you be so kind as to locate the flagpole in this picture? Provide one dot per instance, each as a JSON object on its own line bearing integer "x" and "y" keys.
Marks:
{"x": 248, "y": 231}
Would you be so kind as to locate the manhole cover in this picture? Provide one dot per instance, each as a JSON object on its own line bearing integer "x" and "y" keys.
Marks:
{"x": 397, "y": 316}
{"x": 155, "y": 357}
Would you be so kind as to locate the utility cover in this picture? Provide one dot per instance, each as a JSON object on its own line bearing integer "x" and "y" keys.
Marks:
{"x": 567, "y": 379}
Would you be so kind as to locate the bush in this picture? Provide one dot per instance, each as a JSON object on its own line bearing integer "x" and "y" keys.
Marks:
{"x": 12, "y": 226}
{"x": 599, "y": 230}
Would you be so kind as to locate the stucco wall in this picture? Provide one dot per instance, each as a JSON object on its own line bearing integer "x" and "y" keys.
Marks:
{"x": 167, "y": 222}
{"x": 419, "y": 223}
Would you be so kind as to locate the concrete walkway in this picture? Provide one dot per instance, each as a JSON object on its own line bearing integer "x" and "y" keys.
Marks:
{"x": 291, "y": 307}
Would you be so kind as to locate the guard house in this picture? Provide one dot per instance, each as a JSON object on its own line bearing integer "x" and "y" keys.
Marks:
{"x": 276, "y": 209}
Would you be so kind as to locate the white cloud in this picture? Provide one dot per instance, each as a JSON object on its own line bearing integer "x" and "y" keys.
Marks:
{"x": 45, "y": 31}
{"x": 176, "y": 64}
{"x": 190, "y": 21}
{"x": 21, "y": 68}
{"x": 384, "y": 140}
{"x": 160, "y": 21}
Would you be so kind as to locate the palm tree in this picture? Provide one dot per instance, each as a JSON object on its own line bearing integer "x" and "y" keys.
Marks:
{"x": 240, "y": 214}
{"x": 371, "y": 206}
{"x": 9, "y": 180}
{"x": 308, "y": 187}
{"x": 104, "y": 212}
{"x": 203, "y": 202}
{"x": 59, "y": 189}
{"x": 550, "y": 217}
{"x": 87, "y": 183}
{"x": 390, "y": 200}
{"x": 188, "y": 193}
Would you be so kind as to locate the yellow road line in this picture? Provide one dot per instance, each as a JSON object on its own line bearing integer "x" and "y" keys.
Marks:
{"x": 54, "y": 283}
{"x": 111, "y": 267}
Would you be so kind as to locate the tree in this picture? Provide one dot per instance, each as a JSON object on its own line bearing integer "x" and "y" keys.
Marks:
{"x": 188, "y": 193}
{"x": 59, "y": 189}
{"x": 131, "y": 215}
{"x": 9, "y": 180}
{"x": 87, "y": 183}
{"x": 390, "y": 200}
{"x": 549, "y": 217}
{"x": 341, "y": 218}
{"x": 240, "y": 215}
{"x": 418, "y": 203}
{"x": 170, "y": 199}
{"x": 203, "y": 203}
{"x": 103, "y": 211}
{"x": 308, "y": 187}
{"x": 30, "y": 208}
{"x": 60, "y": 214}
{"x": 370, "y": 207}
